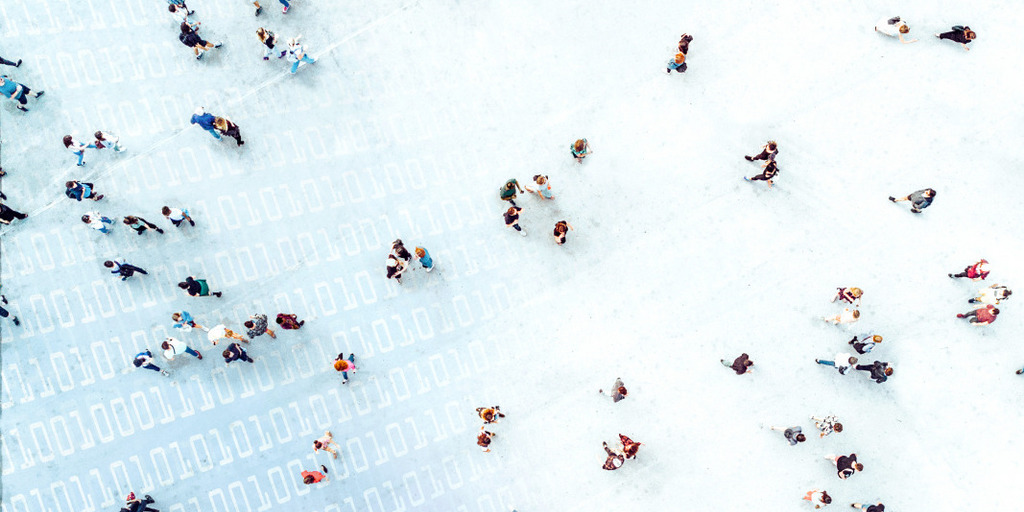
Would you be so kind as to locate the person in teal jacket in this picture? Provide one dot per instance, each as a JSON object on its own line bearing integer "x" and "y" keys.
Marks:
{"x": 17, "y": 92}
{"x": 425, "y": 259}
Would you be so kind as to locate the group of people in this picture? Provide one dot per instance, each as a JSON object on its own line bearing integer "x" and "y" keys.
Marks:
{"x": 990, "y": 296}
{"x": 626, "y": 448}
{"x": 400, "y": 257}
{"x": 543, "y": 190}
{"x": 490, "y": 416}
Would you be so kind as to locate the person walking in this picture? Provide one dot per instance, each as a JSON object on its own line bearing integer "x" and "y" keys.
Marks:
{"x": 740, "y": 365}
{"x": 140, "y": 225}
{"x": 235, "y": 352}
{"x": 259, "y": 8}
{"x": 183, "y": 320}
{"x": 190, "y": 38}
{"x": 77, "y": 190}
{"x": 98, "y": 222}
{"x": 580, "y": 150}
{"x": 827, "y": 425}
{"x": 133, "y": 504}
{"x": 512, "y": 219}
{"x": 959, "y": 33}
{"x": 561, "y": 231}
{"x": 489, "y": 414}
{"x": 297, "y": 54}
{"x": 848, "y": 316}
{"x": 395, "y": 268}
{"x": 313, "y": 477}
{"x": 8, "y": 214}
{"x": 767, "y": 174}
{"x": 614, "y": 460}
{"x": 344, "y": 365}
{"x": 269, "y": 40}
{"x": 894, "y": 27}
{"x": 678, "y": 63}
{"x": 866, "y": 343}
{"x": 174, "y": 346}
{"x": 257, "y": 325}
{"x": 197, "y": 287}
{"x": 768, "y": 152}
{"x": 878, "y": 507}
{"x": 543, "y": 187}
{"x": 818, "y": 498}
{"x": 120, "y": 267}
{"x": 225, "y": 126}
{"x": 180, "y": 14}
{"x": 108, "y": 140}
{"x": 508, "y": 191}
{"x": 792, "y": 434}
{"x": 399, "y": 250}
{"x": 981, "y": 316}
{"x": 483, "y": 439}
{"x": 880, "y": 371}
{"x": 78, "y": 149}
{"x": 992, "y": 295}
{"x": 17, "y": 92}
{"x": 324, "y": 443}
{"x": 849, "y": 295}
{"x": 7, "y": 314}
{"x": 618, "y": 390}
{"x": 846, "y": 465}
{"x": 629, "y": 447}
{"x": 177, "y": 216}
{"x": 424, "y": 257}
{"x": 977, "y": 272}
{"x": 842, "y": 362}
{"x": 221, "y": 332}
{"x": 918, "y": 200}
{"x": 144, "y": 360}
{"x": 289, "y": 322}
{"x": 206, "y": 121}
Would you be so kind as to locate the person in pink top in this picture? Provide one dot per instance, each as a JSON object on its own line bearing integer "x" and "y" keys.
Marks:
{"x": 981, "y": 316}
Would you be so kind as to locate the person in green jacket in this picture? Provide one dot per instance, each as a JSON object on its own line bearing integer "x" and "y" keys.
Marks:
{"x": 508, "y": 192}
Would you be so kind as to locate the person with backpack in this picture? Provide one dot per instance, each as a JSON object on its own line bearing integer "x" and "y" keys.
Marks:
{"x": 866, "y": 343}
{"x": 792, "y": 434}
{"x": 981, "y": 316}
{"x": 959, "y": 33}
{"x": 144, "y": 360}
{"x": 123, "y": 269}
{"x": 197, "y": 287}
{"x": 297, "y": 54}
{"x": 234, "y": 352}
{"x": 976, "y": 272}
{"x": 992, "y": 295}
{"x": 508, "y": 192}
{"x": 140, "y": 225}
{"x": 880, "y": 371}
{"x": 894, "y": 27}
{"x": 846, "y": 465}
{"x": 918, "y": 200}
{"x": 17, "y": 92}
{"x": 842, "y": 362}
{"x": 190, "y": 38}
{"x": 740, "y": 365}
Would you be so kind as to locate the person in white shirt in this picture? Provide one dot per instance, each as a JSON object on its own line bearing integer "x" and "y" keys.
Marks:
{"x": 848, "y": 316}
{"x": 992, "y": 295}
{"x": 173, "y": 347}
{"x": 842, "y": 362}
{"x": 894, "y": 27}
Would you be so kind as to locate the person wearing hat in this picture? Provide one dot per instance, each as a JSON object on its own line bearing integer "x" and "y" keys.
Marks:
{"x": 344, "y": 365}
{"x": 981, "y": 316}
{"x": 977, "y": 272}
{"x": 132, "y": 504}
{"x": 489, "y": 414}
{"x": 842, "y": 362}
{"x": 205, "y": 121}
{"x": 894, "y": 27}
{"x": 297, "y": 54}
{"x": 849, "y": 295}
{"x": 959, "y": 33}
{"x": 866, "y": 343}
{"x": 918, "y": 200}
{"x": 991, "y": 295}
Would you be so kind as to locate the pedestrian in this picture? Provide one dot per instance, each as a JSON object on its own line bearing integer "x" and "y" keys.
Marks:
{"x": 678, "y": 63}
{"x": 205, "y": 120}
{"x": 98, "y": 222}
{"x": 879, "y": 371}
{"x": 959, "y": 33}
{"x": 740, "y": 365}
{"x": 5, "y": 314}
{"x": 180, "y": 14}
{"x": 235, "y": 352}
{"x": 512, "y": 219}
{"x": 543, "y": 187}
{"x": 17, "y": 92}
{"x": 684, "y": 43}
{"x": 297, "y": 54}
{"x": 771, "y": 169}
{"x": 289, "y": 322}
{"x": 580, "y": 150}
{"x": 866, "y": 343}
{"x": 181, "y": 3}
{"x": 8, "y": 214}
{"x": 483, "y": 440}
{"x": 190, "y": 38}
{"x": 144, "y": 359}
{"x": 918, "y": 200}
{"x": 508, "y": 191}
{"x": 977, "y": 272}
{"x": 818, "y": 498}
{"x": 399, "y": 250}
{"x": 133, "y": 504}
{"x": 848, "y": 316}
{"x": 894, "y": 27}
{"x": 849, "y": 295}
{"x": 312, "y": 477}
{"x": 269, "y": 40}
{"x": 629, "y": 447}
{"x": 220, "y": 332}
{"x": 173, "y": 347}
{"x": 183, "y": 320}
{"x": 992, "y": 295}
{"x": 395, "y": 267}
{"x": 878, "y": 507}
{"x": 846, "y": 466}
{"x": 108, "y": 140}
{"x": 842, "y": 362}
{"x": 77, "y": 190}
{"x": 177, "y": 216}
{"x": 324, "y": 443}
{"x": 140, "y": 225}
{"x": 225, "y": 126}
{"x": 768, "y": 152}
{"x": 197, "y": 287}
{"x": 489, "y": 414}
{"x": 257, "y": 325}
{"x": 827, "y": 425}
{"x": 614, "y": 460}
{"x": 77, "y": 148}
{"x": 259, "y": 9}
{"x": 618, "y": 391}
{"x": 344, "y": 365}
{"x": 792, "y": 434}
{"x": 562, "y": 229}
{"x": 425, "y": 260}
{"x": 981, "y": 316}
{"x": 10, "y": 63}
{"x": 123, "y": 269}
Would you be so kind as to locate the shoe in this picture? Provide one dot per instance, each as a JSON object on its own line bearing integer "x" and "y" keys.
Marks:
{"x": 748, "y": 158}
{"x": 98, "y": 197}
{"x": 241, "y": 142}
{"x": 284, "y": 10}
{"x": 259, "y": 10}
{"x": 193, "y": 223}
{"x": 158, "y": 230}
{"x": 324, "y": 468}
{"x": 940, "y": 37}
{"x": 668, "y": 70}
{"x": 522, "y": 232}
{"x": 199, "y": 57}
{"x": 148, "y": 498}
{"x": 16, "y": 321}
{"x": 164, "y": 373}
{"x": 18, "y": 65}
{"x": 219, "y": 44}
{"x": 971, "y": 301}
{"x": 217, "y": 294}
{"x": 199, "y": 355}
{"x": 345, "y": 381}
{"x": 3, "y": 299}
{"x": 301, "y": 323}
{"x": 39, "y": 94}
{"x": 1020, "y": 371}
{"x": 22, "y": 108}
{"x": 915, "y": 210}
{"x": 746, "y": 178}
{"x": 958, "y": 315}
{"x": 817, "y": 361}
{"x": 950, "y": 275}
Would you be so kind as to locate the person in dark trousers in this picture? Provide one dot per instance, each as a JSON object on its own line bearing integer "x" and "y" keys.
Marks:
{"x": 289, "y": 322}
{"x": 959, "y": 33}
{"x": 17, "y": 92}
{"x": 562, "y": 229}
{"x": 768, "y": 152}
{"x": 77, "y": 190}
{"x": 512, "y": 219}
{"x": 508, "y": 192}
{"x": 177, "y": 216}
{"x": 235, "y": 352}
{"x": 399, "y": 250}
{"x": 189, "y": 37}
{"x": 197, "y": 287}
{"x": 226, "y": 127}
{"x": 144, "y": 360}
{"x": 865, "y": 344}
{"x": 123, "y": 269}
{"x": 769, "y": 172}
{"x": 792, "y": 434}
{"x": 918, "y": 200}
{"x": 878, "y": 507}
{"x": 141, "y": 225}
{"x": 9, "y": 63}
{"x": 879, "y": 371}
{"x": 981, "y": 316}
{"x": 976, "y": 272}
{"x": 614, "y": 460}
{"x": 8, "y": 214}
{"x": 846, "y": 466}
{"x": 741, "y": 365}
{"x": 5, "y": 314}
{"x": 132, "y": 504}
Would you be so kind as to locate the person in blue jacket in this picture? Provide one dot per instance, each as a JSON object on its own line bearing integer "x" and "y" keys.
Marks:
{"x": 205, "y": 121}
{"x": 17, "y": 92}
{"x": 425, "y": 259}
{"x": 77, "y": 190}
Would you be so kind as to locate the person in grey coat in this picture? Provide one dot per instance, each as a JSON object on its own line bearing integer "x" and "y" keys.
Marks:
{"x": 793, "y": 434}
{"x": 618, "y": 391}
{"x": 918, "y": 200}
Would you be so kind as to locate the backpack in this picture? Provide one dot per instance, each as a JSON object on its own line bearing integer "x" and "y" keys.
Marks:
{"x": 893, "y": 21}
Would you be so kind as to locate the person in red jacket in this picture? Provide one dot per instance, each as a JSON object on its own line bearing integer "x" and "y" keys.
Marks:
{"x": 975, "y": 272}
{"x": 981, "y": 316}
{"x": 312, "y": 477}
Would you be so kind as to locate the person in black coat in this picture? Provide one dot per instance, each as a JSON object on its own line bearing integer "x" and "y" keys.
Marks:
{"x": 7, "y": 214}
{"x": 235, "y": 352}
{"x": 869, "y": 508}
{"x": 846, "y": 465}
{"x": 769, "y": 172}
{"x": 879, "y": 371}
{"x": 740, "y": 365}
{"x": 959, "y": 33}
{"x": 189, "y": 37}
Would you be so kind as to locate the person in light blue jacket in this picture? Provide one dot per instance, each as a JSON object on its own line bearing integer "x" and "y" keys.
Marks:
{"x": 17, "y": 92}
{"x": 205, "y": 121}
{"x": 425, "y": 259}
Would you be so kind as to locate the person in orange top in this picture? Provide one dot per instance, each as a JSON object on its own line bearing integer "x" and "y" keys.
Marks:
{"x": 490, "y": 414}
{"x": 484, "y": 439}
{"x": 313, "y": 477}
